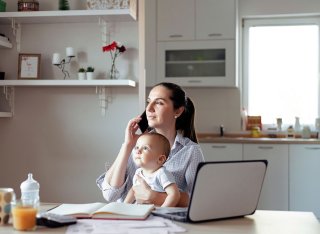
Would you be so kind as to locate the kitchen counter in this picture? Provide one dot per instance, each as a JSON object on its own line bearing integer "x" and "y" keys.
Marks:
{"x": 245, "y": 138}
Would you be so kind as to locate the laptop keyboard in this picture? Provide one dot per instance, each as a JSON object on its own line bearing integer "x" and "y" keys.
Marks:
{"x": 181, "y": 213}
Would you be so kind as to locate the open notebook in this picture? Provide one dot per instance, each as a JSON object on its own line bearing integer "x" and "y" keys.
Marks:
{"x": 221, "y": 190}
{"x": 113, "y": 210}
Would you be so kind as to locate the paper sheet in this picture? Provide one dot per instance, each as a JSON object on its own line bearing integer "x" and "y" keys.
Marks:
{"x": 152, "y": 225}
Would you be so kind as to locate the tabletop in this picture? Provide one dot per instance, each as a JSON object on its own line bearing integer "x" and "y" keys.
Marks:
{"x": 261, "y": 222}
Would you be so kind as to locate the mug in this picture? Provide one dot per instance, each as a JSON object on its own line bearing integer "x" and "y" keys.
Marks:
{"x": 6, "y": 196}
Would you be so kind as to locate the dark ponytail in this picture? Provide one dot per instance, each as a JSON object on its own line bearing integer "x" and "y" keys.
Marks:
{"x": 185, "y": 122}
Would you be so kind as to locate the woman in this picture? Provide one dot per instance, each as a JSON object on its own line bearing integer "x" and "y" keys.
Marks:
{"x": 170, "y": 113}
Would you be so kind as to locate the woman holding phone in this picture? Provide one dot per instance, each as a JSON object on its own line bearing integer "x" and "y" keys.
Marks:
{"x": 171, "y": 113}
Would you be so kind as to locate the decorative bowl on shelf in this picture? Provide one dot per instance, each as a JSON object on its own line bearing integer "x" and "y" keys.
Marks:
{"x": 107, "y": 4}
{"x": 28, "y": 5}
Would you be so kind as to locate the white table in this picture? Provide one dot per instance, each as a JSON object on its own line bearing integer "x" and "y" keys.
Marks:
{"x": 262, "y": 222}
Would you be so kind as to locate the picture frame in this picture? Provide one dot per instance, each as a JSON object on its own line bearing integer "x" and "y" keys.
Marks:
{"x": 29, "y": 66}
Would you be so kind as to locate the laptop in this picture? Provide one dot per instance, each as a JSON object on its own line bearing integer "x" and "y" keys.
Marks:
{"x": 221, "y": 190}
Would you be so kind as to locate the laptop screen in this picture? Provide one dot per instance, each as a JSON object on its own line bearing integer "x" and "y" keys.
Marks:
{"x": 226, "y": 189}
{"x": 221, "y": 190}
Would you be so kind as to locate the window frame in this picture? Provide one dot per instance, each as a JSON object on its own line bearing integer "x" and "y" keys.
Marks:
{"x": 271, "y": 21}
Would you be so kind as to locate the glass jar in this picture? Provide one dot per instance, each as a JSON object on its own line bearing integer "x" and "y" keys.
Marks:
{"x": 255, "y": 132}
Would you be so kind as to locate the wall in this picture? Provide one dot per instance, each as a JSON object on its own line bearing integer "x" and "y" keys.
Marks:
{"x": 58, "y": 133}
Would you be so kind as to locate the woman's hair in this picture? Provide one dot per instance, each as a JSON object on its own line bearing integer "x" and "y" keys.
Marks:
{"x": 185, "y": 122}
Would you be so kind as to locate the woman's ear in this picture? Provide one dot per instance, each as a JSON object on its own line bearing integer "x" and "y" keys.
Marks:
{"x": 162, "y": 158}
{"x": 179, "y": 111}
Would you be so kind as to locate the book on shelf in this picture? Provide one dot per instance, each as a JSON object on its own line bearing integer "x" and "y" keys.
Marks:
{"x": 113, "y": 210}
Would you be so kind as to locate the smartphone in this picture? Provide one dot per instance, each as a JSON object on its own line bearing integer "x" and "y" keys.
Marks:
{"x": 143, "y": 124}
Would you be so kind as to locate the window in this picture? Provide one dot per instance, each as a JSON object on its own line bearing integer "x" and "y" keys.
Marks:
{"x": 281, "y": 70}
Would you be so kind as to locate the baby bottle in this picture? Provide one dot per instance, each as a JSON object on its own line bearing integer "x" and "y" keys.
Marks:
{"x": 30, "y": 190}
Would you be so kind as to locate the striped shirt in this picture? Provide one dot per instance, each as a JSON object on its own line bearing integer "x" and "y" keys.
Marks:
{"x": 182, "y": 162}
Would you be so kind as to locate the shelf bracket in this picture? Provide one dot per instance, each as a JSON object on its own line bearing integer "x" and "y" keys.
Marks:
{"x": 16, "y": 31}
{"x": 105, "y": 33}
{"x": 105, "y": 97}
{"x": 9, "y": 96}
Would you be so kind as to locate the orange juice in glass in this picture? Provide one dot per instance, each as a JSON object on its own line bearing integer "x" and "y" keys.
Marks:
{"x": 24, "y": 216}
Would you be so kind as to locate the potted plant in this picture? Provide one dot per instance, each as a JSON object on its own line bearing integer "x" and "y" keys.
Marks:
{"x": 81, "y": 73}
{"x": 90, "y": 74}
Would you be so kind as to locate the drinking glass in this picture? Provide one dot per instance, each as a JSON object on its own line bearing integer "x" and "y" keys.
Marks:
{"x": 24, "y": 214}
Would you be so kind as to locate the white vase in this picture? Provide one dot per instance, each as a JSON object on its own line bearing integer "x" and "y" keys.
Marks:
{"x": 81, "y": 75}
{"x": 90, "y": 75}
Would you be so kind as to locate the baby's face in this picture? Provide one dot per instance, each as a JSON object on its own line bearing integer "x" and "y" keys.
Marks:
{"x": 147, "y": 153}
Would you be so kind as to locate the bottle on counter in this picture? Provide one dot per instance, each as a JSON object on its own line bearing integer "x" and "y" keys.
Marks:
{"x": 290, "y": 132}
{"x": 244, "y": 119}
{"x": 221, "y": 130}
{"x": 297, "y": 126}
{"x": 30, "y": 190}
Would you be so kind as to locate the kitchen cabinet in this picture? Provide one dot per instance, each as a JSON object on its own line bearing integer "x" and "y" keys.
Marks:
{"x": 221, "y": 151}
{"x": 304, "y": 168}
{"x": 215, "y": 19}
{"x": 175, "y": 20}
{"x": 187, "y": 50}
{"x": 274, "y": 194}
{"x": 205, "y": 64}
{"x": 196, "y": 19}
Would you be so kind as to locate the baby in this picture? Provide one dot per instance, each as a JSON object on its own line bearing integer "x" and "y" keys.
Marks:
{"x": 150, "y": 153}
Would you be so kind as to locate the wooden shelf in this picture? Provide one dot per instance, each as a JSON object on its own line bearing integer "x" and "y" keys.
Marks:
{"x": 71, "y": 16}
{"x": 75, "y": 83}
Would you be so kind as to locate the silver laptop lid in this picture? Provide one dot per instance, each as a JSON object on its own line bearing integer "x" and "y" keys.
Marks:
{"x": 226, "y": 189}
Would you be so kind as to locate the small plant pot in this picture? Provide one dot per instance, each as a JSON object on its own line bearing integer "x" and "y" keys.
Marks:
{"x": 81, "y": 75}
{"x": 90, "y": 75}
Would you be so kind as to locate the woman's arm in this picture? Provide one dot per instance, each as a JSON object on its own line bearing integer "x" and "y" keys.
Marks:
{"x": 115, "y": 176}
{"x": 145, "y": 195}
{"x": 130, "y": 197}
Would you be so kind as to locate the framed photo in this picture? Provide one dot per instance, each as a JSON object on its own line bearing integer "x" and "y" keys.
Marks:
{"x": 29, "y": 66}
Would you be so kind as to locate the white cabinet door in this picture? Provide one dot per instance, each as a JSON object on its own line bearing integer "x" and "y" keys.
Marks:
{"x": 304, "y": 177}
{"x": 221, "y": 152}
{"x": 175, "y": 20}
{"x": 215, "y": 19}
{"x": 274, "y": 194}
{"x": 195, "y": 64}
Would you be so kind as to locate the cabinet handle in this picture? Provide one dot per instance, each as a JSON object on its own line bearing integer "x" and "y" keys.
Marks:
{"x": 218, "y": 146}
{"x": 175, "y": 35}
{"x": 265, "y": 147}
{"x": 194, "y": 81}
{"x": 214, "y": 34}
{"x": 312, "y": 148}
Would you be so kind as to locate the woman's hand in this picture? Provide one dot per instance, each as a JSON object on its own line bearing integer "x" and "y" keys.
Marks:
{"x": 131, "y": 135}
{"x": 145, "y": 195}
